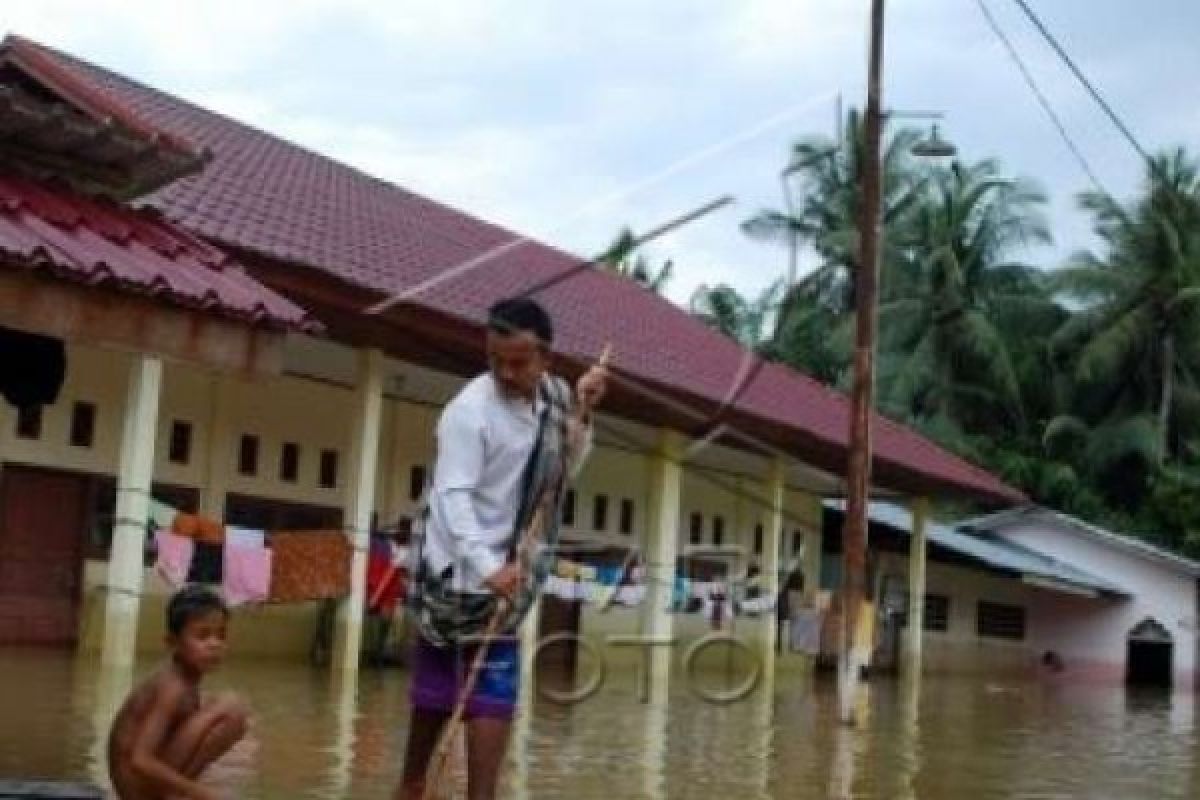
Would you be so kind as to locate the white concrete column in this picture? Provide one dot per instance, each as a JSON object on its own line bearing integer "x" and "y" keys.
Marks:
{"x": 662, "y": 547}
{"x": 101, "y": 692}
{"x": 814, "y": 542}
{"x": 775, "y": 488}
{"x": 913, "y": 634}
{"x": 528, "y": 635}
{"x": 219, "y": 453}
{"x": 134, "y": 474}
{"x": 359, "y": 504}
{"x": 394, "y": 486}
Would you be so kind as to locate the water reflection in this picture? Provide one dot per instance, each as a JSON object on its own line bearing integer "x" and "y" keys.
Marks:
{"x": 102, "y": 689}
{"x": 320, "y": 738}
{"x": 763, "y": 701}
{"x": 908, "y": 740}
{"x": 519, "y": 754}
{"x": 850, "y": 745}
{"x": 654, "y": 737}
{"x": 342, "y": 748}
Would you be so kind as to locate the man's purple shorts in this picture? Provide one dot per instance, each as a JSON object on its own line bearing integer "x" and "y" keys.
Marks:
{"x": 439, "y": 674}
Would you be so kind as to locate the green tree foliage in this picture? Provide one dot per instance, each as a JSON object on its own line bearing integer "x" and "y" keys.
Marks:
{"x": 1131, "y": 353}
{"x": 621, "y": 258}
{"x": 1081, "y": 384}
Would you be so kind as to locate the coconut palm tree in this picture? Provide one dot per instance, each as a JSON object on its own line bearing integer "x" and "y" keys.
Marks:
{"x": 621, "y": 258}
{"x": 750, "y": 322}
{"x": 1132, "y": 351}
{"x": 956, "y": 302}
{"x": 826, "y": 218}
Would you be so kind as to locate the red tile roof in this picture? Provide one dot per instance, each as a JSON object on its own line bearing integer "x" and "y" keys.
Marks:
{"x": 101, "y": 243}
{"x": 45, "y": 65}
{"x": 269, "y": 196}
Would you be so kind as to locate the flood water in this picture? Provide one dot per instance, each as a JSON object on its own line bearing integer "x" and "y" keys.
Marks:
{"x": 963, "y": 740}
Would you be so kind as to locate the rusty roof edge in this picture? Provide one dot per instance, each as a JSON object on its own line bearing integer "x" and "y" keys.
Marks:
{"x": 42, "y": 65}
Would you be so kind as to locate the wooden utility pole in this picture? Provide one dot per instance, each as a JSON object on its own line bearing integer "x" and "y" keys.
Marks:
{"x": 858, "y": 478}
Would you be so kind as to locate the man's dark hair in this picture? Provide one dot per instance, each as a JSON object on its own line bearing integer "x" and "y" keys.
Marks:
{"x": 520, "y": 314}
{"x": 191, "y": 602}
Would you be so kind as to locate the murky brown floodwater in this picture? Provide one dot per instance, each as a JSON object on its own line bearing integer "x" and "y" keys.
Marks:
{"x": 966, "y": 741}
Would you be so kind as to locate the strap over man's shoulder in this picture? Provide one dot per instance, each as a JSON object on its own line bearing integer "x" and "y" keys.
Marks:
{"x": 557, "y": 392}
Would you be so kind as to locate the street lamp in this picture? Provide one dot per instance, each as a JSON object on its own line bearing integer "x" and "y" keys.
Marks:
{"x": 934, "y": 146}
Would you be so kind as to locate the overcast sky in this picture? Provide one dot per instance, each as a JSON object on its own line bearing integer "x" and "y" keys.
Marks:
{"x": 567, "y": 120}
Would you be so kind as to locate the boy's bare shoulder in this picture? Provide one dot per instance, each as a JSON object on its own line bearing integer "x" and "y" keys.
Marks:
{"x": 164, "y": 687}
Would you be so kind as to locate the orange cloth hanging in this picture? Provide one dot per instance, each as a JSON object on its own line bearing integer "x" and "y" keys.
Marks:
{"x": 200, "y": 528}
{"x": 309, "y": 565}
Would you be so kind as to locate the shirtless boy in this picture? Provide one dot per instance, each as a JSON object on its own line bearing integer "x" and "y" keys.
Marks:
{"x": 164, "y": 736}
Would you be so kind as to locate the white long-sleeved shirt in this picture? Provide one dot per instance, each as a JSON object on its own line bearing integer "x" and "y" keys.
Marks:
{"x": 484, "y": 439}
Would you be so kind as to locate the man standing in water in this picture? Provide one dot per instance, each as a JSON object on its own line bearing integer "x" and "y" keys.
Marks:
{"x": 503, "y": 444}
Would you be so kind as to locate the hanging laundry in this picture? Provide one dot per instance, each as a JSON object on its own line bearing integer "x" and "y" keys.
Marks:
{"x": 561, "y": 588}
{"x": 758, "y": 605}
{"x": 309, "y": 565}
{"x": 245, "y": 537}
{"x": 247, "y": 573}
{"x": 383, "y": 578}
{"x": 207, "y": 563}
{"x": 630, "y": 595}
{"x": 174, "y": 557}
{"x": 680, "y": 593}
{"x": 805, "y": 632}
{"x": 595, "y": 592}
{"x": 609, "y": 576}
{"x": 200, "y": 528}
{"x": 162, "y": 515}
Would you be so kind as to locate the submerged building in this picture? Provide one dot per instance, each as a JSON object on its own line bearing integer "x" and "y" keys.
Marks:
{"x": 194, "y": 306}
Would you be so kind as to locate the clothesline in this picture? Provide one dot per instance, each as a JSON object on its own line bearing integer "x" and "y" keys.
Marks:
{"x": 594, "y": 590}
{"x": 257, "y": 566}
{"x": 252, "y": 566}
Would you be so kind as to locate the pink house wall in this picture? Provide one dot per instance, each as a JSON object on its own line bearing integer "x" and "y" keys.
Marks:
{"x": 1091, "y": 635}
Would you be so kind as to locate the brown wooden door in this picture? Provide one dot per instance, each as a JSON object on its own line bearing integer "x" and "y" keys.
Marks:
{"x": 42, "y": 519}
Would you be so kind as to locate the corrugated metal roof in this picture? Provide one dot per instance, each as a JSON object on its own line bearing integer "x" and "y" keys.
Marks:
{"x": 994, "y": 552}
{"x": 1120, "y": 541}
{"x": 104, "y": 244}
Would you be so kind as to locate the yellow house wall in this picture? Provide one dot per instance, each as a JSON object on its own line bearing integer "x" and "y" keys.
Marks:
{"x": 960, "y": 650}
{"x": 317, "y": 416}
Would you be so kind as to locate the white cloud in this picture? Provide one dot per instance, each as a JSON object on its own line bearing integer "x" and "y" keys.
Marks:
{"x": 215, "y": 37}
{"x": 525, "y": 113}
{"x": 767, "y": 34}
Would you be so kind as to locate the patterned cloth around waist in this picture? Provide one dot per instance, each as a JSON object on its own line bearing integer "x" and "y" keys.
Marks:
{"x": 445, "y": 616}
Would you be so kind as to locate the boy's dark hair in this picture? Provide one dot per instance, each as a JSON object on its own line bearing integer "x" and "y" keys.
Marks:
{"x": 191, "y": 602}
{"x": 520, "y": 314}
